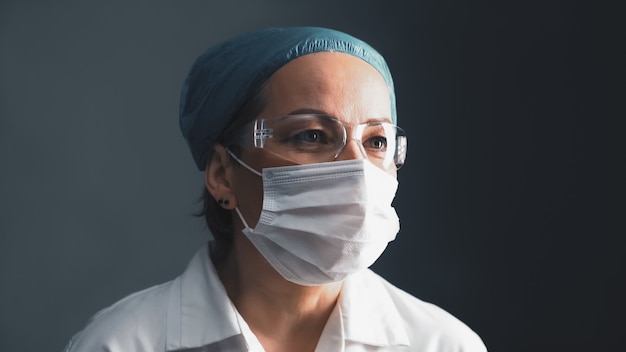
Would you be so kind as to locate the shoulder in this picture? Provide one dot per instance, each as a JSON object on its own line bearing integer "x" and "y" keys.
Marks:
{"x": 135, "y": 323}
{"x": 427, "y": 324}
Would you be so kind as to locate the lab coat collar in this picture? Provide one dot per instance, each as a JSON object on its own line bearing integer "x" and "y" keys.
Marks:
{"x": 201, "y": 317}
{"x": 368, "y": 312}
{"x": 200, "y": 314}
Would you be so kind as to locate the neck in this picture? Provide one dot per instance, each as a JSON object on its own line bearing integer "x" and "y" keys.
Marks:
{"x": 279, "y": 312}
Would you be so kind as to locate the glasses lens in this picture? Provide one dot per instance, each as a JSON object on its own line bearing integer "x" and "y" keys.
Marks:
{"x": 307, "y": 139}
{"x": 383, "y": 143}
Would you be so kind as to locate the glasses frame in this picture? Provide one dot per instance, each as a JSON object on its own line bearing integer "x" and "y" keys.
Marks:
{"x": 261, "y": 132}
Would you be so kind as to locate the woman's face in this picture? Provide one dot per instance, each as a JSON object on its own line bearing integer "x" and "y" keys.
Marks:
{"x": 333, "y": 84}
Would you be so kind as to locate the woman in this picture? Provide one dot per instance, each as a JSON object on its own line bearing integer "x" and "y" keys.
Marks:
{"x": 295, "y": 131}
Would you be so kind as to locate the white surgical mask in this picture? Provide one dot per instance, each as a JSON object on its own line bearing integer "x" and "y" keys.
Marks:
{"x": 322, "y": 222}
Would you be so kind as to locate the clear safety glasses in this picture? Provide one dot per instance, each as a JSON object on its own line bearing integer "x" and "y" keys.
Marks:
{"x": 315, "y": 138}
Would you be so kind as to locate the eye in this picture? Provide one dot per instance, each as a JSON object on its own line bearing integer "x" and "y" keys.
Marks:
{"x": 309, "y": 136}
{"x": 379, "y": 143}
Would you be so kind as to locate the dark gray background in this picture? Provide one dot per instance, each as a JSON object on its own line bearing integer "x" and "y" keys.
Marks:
{"x": 510, "y": 202}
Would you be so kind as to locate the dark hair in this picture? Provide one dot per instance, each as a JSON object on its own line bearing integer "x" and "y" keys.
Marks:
{"x": 218, "y": 219}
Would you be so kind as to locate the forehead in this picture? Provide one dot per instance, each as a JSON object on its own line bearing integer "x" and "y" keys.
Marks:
{"x": 333, "y": 83}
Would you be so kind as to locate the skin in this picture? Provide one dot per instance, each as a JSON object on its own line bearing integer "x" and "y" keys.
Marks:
{"x": 285, "y": 316}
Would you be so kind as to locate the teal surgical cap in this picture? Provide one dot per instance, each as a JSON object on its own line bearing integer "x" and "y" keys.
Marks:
{"x": 228, "y": 74}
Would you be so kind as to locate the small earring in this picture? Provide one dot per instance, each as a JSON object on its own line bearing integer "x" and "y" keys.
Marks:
{"x": 222, "y": 201}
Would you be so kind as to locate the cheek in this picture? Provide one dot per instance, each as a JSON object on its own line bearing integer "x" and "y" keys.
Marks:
{"x": 393, "y": 172}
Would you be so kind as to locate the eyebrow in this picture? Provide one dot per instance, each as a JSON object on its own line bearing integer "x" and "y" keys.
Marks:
{"x": 308, "y": 111}
{"x": 320, "y": 112}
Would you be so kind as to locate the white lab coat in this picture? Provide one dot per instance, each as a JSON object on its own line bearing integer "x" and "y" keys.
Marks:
{"x": 193, "y": 313}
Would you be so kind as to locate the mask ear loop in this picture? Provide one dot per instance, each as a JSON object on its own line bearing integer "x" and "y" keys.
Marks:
{"x": 245, "y": 224}
{"x": 242, "y": 163}
{"x": 243, "y": 221}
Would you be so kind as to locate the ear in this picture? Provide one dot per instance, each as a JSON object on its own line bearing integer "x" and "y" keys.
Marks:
{"x": 218, "y": 177}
